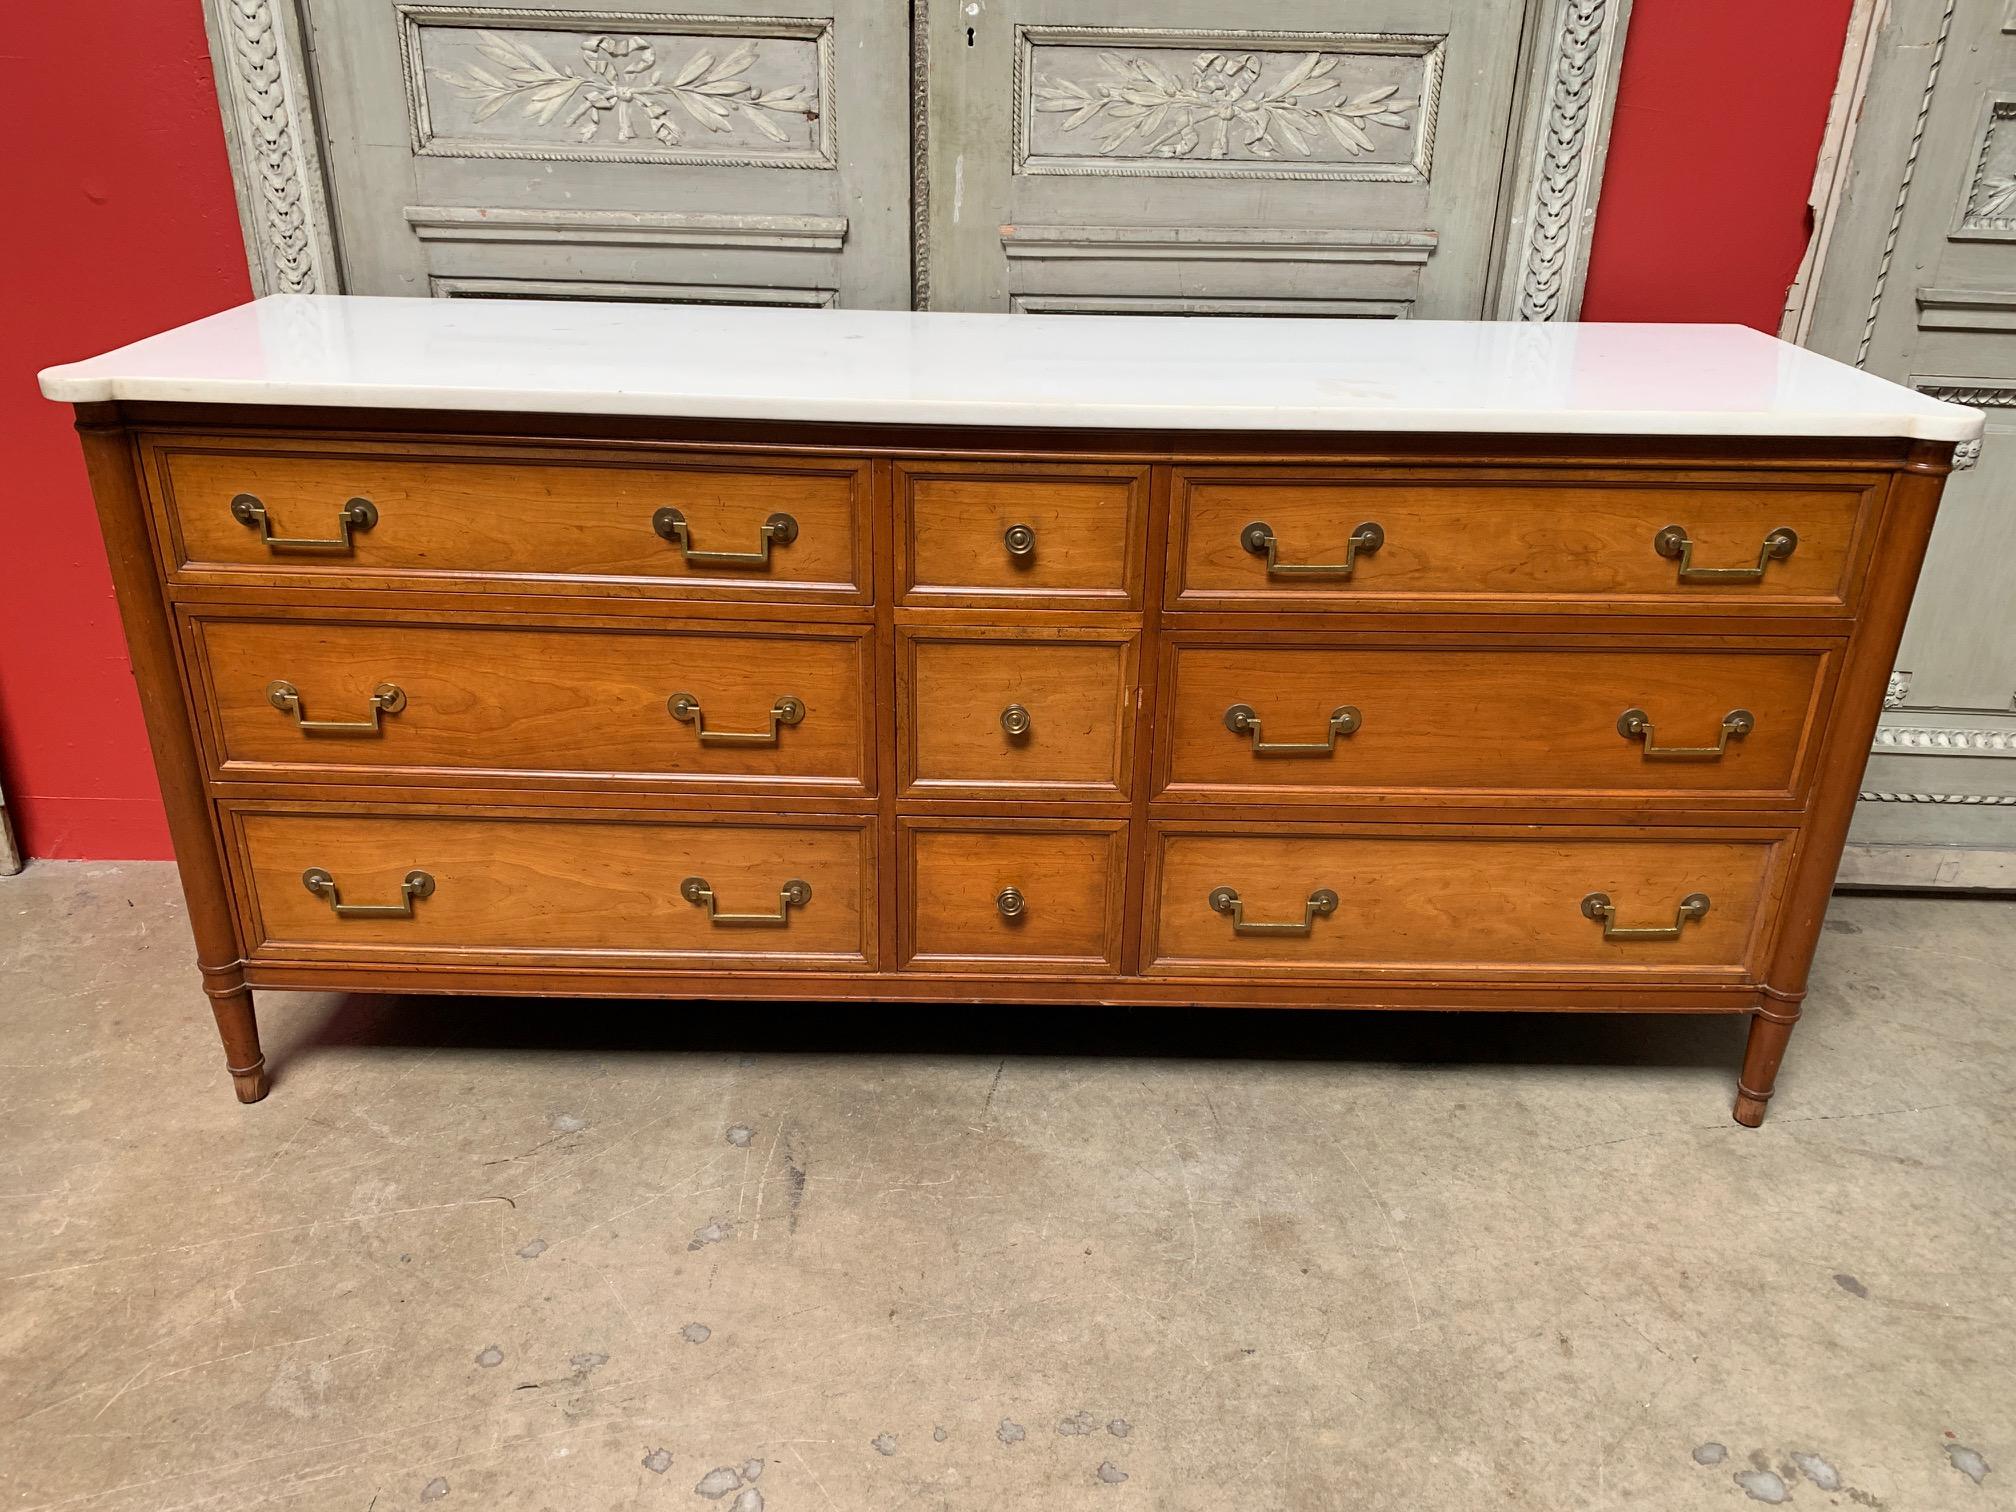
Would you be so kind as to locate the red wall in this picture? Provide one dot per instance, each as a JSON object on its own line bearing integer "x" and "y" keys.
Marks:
{"x": 133, "y": 229}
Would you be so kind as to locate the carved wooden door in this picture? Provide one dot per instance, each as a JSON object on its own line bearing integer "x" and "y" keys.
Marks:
{"x": 1919, "y": 285}
{"x": 1350, "y": 161}
{"x": 758, "y": 153}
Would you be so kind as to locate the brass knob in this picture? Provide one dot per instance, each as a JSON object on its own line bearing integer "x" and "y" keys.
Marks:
{"x": 1020, "y": 541}
{"x": 1015, "y": 720}
{"x": 1011, "y": 903}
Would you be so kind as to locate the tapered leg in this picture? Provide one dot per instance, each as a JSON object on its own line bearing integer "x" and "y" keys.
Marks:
{"x": 238, "y": 1027}
{"x": 1769, "y": 1034}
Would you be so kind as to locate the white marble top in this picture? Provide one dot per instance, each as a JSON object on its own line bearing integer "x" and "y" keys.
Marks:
{"x": 1136, "y": 372}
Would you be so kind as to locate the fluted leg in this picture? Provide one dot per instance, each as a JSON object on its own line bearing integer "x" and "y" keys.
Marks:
{"x": 1770, "y": 1032}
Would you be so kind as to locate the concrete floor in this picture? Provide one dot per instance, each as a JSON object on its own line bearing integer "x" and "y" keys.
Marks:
{"x": 497, "y": 1255}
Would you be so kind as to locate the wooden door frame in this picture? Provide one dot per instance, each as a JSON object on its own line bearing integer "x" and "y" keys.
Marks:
{"x": 1566, "y": 93}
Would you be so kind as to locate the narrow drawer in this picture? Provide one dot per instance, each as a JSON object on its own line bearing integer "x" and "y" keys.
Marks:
{"x": 1031, "y": 535}
{"x": 1307, "y": 902}
{"x": 1310, "y": 539}
{"x": 1308, "y": 722}
{"x": 539, "y": 520}
{"x": 1047, "y": 714}
{"x": 1013, "y": 895}
{"x": 419, "y": 702}
{"x": 698, "y": 893}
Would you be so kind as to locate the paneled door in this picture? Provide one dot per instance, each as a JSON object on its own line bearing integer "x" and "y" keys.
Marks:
{"x": 1918, "y": 284}
{"x": 1212, "y": 157}
{"x": 758, "y": 153}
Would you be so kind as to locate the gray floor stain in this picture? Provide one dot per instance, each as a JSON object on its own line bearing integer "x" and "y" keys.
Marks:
{"x": 1710, "y": 1454}
{"x": 1763, "y": 1485}
{"x": 885, "y": 1443}
{"x": 1011, "y": 1432}
{"x": 751, "y": 1469}
{"x": 1119, "y": 1427}
{"x": 696, "y": 1333}
{"x": 658, "y": 1461}
{"x": 939, "y": 1435}
{"x": 1818, "y": 1471}
{"x": 1850, "y": 1285}
{"x": 587, "y": 1362}
{"x": 750, "y": 1500}
{"x": 712, "y": 1233}
{"x": 718, "y": 1482}
{"x": 1968, "y": 1462}
{"x": 1111, "y": 1473}
{"x": 740, "y": 1135}
{"x": 434, "y": 1490}
{"x": 533, "y": 1250}
{"x": 1843, "y": 926}
{"x": 567, "y": 1123}
{"x": 490, "y": 1357}
{"x": 1076, "y": 1425}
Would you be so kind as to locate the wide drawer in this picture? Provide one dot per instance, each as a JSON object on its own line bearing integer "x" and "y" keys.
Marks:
{"x": 419, "y": 702}
{"x": 511, "y": 519}
{"x": 1287, "y": 902}
{"x": 1013, "y": 895}
{"x": 1031, "y": 535}
{"x": 1047, "y": 714}
{"x": 1304, "y": 720}
{"x": 1326, "y": 539}
{"x": 700, "y": 893}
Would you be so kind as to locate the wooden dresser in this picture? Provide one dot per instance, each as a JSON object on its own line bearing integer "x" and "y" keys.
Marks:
{"x": 599, "y": 650}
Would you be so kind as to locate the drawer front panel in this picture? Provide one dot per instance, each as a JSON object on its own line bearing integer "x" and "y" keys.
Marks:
{"x": 508, "y": 886}
{"x": 1026, "y": 896}
{"x": 1458, "y": 718}
{"x": 775, "y": 710}
{"x": 1531, "y": 541}
{"x": 1461, "y": 903}
{"x": 1048, "y": 716}
{"x": 1032, "y": 536}
{"x": 522, "y": 522}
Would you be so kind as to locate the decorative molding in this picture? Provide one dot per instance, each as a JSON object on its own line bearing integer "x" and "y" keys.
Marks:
{"x": 1977, "y": 393}
{"x": 1938, "y": 58}
{"x": 1898, "y": 690}
{"x": 1832, "y": 168}
{"x": 442, "y": 287}
{"x": 1179, "y": 304}
{"x": 920, "y": 154}
{"x": 673, "y": 108}
{"x": 1554, "y": 204}
{"x": 1987, "y": 208}
{"x": 1967, "y": 309}
{"x": 1963, "y": 868}
{"x": 1967, "y": 454}
{"x": 274, "y": 145}
{"x": 1935, "y": 740}
{"x": 1225, "y": 104}
{"x": 1971, "y": 800}
{"x": 1219, "y": 243}
{"x": 791, "y": 233}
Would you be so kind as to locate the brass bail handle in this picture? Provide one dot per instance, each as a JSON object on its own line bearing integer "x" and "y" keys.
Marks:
{"x": 1225, "y": 901}
{"x": 793, "y": 894}
{"x": 386, "y": 698}
{"x": 779, "y": 530}
{"x": 685, "y": 708}
{"x": 1241, "y": 720}
{"x": 357, "y": 514}
{"x": 1636, "y": 724}
{"x": 1674, "y": 542}
{"x": 1259, "y": 539}
{"x": 418, "y": 884}
{"x": 1598, "y": 906}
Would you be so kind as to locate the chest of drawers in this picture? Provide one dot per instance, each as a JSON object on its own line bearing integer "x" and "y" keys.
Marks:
{"x": 945, "y": 666}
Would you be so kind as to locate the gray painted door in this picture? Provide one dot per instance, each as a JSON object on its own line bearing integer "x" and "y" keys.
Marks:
{"x": 755, "y": 153}
{"x": 1342, "y": 161}
{"x": 1919, "y": 285}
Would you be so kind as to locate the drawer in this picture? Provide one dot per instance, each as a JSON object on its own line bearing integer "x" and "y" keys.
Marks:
{"x": 1033, "y": 536}
{"x": 687, "y": 707}
{"x": 1013, "y": 895}
{"x": 1268, "y": 538}
{"x": 539, "y": 520}
{"x": 1049, "y": 714}
{"x": 1307, "y": 721}
{"x": 1288, "y": 902}
{"x": 697, "y": 893}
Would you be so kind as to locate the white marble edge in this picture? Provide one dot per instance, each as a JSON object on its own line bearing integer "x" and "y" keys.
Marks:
{"x": 1064, "y": 372}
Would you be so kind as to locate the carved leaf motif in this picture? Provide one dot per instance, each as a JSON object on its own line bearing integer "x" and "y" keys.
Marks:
{"x": 1154, "y": 113}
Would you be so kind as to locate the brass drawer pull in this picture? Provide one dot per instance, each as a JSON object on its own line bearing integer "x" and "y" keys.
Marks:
{"x": 418, "y": 884}
{"x": 1020, "y": 541}
{"x": 386, "y": 698}
{"x": 1225, "y": 901}
{"x": 1258, "y": 538}
{"x": 1636, "y": 724}
{"x": 1015, "y": 720}
{"x": 1598, "y": 906}
{"x": 358, "y": 514}
{"x": 1241, "y": 720}
{"x": 1011, "y": 902}
{"x": 779, "y": 530}
{"x": 791, "y": 895}
{"x": 1674, "y": 542}
{"x": 686, "y": 709}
